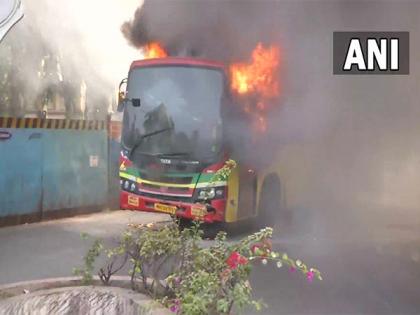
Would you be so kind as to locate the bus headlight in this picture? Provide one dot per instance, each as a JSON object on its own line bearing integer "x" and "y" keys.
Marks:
{"x": 126, "y": 184}
{"x": 210, "y": 193}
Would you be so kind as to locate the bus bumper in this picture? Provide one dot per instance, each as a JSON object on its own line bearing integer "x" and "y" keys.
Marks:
{"x": 210, "y": 213}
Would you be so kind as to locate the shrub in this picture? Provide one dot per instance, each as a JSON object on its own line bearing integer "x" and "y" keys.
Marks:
{"x": 187, "y": 274}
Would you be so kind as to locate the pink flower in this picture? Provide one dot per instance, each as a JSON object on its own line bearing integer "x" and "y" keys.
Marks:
{"x": 310, "y": 276}
{"x": 262, "y": 249}
{"x": 235, "y": 259}
{"x": 175, "y": 307}
{"x": 254, "y": 248}
{"x": 292, "y": 269}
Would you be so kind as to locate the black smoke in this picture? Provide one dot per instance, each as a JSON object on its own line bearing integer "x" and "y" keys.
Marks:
{"x": 222, "y": 30}
{"x": 226, "y": 31}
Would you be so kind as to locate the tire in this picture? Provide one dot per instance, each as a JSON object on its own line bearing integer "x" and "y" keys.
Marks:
{"x": 270, "y": 210}
{"x": 184, "y": 224}
{"x": 211, "y": 230}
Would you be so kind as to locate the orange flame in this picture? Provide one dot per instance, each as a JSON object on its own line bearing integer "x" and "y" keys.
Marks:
{"x": 258, "y": 79}
{"x": 154, "y": 50}
{"x": 259, "y": 76}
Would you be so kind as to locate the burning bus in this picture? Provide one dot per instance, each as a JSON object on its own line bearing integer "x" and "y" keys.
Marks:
{"x": 180, "y": 126}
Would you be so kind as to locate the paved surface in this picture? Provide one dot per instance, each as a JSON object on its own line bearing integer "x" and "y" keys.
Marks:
{"x": 371, "y": 273}
{"x": 54, "y": 248}
{"x": 362, "y": 275}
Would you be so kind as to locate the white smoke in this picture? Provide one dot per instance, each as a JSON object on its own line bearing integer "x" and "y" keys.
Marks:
{"x": 86, "y": 29}
{"x": 62, "y": 46}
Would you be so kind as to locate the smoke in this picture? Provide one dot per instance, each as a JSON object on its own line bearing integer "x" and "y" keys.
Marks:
{"x": 57, "y": 46}
{"x": 345, "y": 148}
{"x": 219, "y": 30}
{"x": 222, "y": 30}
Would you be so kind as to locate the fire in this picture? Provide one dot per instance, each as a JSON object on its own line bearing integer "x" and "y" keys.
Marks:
{"x": 257, "y": 82}
{"x": 259, "y": 76}
{"x": 154, "y": 50}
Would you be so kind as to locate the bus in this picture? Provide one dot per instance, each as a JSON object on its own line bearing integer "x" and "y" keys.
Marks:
{"x": 179, "y": 128}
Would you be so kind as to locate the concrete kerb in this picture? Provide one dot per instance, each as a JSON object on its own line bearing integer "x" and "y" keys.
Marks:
{"x": 119, "y": 286}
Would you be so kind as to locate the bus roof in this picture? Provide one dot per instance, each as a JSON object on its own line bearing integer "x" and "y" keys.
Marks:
{"x": 177, "y": 61}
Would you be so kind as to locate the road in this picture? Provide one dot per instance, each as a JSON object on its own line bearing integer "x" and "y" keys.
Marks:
{"x": 360, "y": 276}
{"x": 54, "y": 248}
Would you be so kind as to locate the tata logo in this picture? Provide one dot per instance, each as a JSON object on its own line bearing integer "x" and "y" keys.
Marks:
{"x": 371, "y": 53}
{"x": 165, "y": 161}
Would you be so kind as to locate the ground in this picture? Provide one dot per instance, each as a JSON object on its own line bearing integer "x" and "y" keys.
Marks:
{"x": 54, "y": 248}
{"x": 359, "y": 277}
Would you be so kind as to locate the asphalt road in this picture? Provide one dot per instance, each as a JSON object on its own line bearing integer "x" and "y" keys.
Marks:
{"x": 54, "y": 248}
{"x": 362, "y": 275}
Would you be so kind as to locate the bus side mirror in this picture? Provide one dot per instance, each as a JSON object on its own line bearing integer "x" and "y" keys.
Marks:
{"x": 122, "y": 90}
{"x": 121, "y": 102}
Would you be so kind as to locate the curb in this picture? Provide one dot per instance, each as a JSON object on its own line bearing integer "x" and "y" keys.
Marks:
{"x": 119, "y": 285}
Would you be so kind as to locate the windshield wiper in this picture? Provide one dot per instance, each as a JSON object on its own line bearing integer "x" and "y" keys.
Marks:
{"x": 147, "y": 135}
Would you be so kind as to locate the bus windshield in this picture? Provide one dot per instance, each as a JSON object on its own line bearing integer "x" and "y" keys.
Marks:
{"x": 180, "y": 112}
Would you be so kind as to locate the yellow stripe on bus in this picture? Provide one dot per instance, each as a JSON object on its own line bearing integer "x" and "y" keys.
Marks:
{"x": 231, "y": 214}
{"x": 143, "y": 181}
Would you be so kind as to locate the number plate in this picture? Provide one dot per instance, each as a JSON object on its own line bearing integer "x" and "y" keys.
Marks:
{"x": 133, "y": 201}
{"x": 165, "y": 208}
{"x": 198, "y": 210}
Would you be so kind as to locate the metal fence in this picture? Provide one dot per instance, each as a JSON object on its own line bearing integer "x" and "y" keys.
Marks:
{"x": 50, "y": 166}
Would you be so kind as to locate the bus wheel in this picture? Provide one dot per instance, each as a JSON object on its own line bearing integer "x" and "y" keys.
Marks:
{"x": 184, "y": 224}
{"x": 270, "y": 210}
{"x": 211, "y": 230}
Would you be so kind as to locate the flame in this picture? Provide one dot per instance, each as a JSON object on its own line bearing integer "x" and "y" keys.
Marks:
{"x": 257, "y": 82}
{"x": 259, "y": 76}
{"x": 154, "y": 50}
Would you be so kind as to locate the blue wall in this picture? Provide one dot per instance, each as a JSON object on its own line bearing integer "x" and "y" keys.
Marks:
{"x": 113, "y": 172}
{"x": 45, "y": 170}
{"x": 20, "y": 173}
